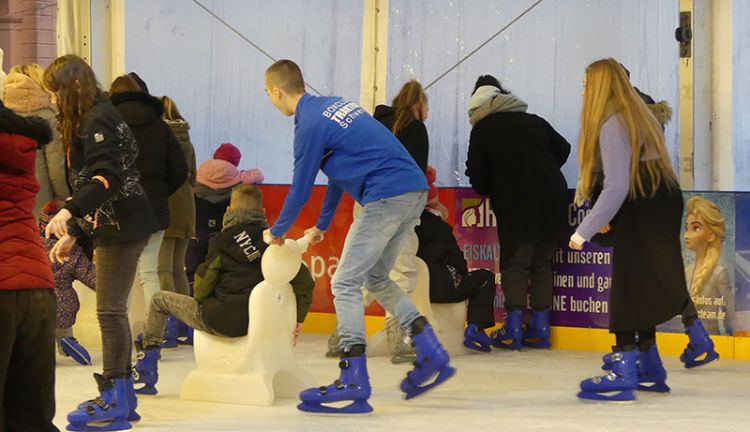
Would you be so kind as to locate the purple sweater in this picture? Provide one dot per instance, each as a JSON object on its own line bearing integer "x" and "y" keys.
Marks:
{"x": 614, "y": 142}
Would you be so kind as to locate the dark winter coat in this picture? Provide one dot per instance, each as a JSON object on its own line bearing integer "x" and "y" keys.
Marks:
{"x": 106, "y": 149}
{"x": 439, "y": 250}
{"x": 226, "y": 278}
{"x": 515, "y": 158}
{"x": 23, "y": 261}
{"x": 160, "y": 159}
{"x": 413, "y": 136}
{"x": 182, "y": 202}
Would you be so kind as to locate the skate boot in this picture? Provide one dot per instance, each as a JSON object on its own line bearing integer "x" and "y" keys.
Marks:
{"x": 510, "y": 335}
{"x": 652, "y": 376}
{"x": 476, "y": 339}
{"x": 71, "y": 348}
{"x": 618, "y": 385}
{"x": 146, "y": 371}
{"x": 353, "y": 385}
{"x": 108, "y": 412}
{"x": 399, "y": 350}
{"x": 133, "y": 416}
{"x": 333, "y": 345}
{"x": 700, "y": 349}
{"x": 537, "y": 334}
{"x": 432, "y": 366}
{"x": 185, "y": 334}
{"x": 170, "y": 333}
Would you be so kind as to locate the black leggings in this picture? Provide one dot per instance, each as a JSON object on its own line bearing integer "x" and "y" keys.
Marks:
{"x": 115, "y": 271}
{"x": 479, "y": 288}
{"x": 627, "y": 340}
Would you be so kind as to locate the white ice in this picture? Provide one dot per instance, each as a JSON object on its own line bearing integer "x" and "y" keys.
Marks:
{"x": 508, "y": 391}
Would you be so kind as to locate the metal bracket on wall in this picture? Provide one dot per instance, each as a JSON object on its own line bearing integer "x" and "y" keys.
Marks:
{"x": 684, "y": 34}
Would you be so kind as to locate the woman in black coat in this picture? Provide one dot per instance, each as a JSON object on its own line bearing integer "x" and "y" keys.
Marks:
{"x": 515, "y": 158}
{"x": 160, "y": 161}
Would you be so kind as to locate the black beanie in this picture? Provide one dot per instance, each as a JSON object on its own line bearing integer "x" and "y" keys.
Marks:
{"x": 488, "y": 80}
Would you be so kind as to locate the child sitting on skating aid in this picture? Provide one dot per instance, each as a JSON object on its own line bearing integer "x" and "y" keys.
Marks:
{"x": 223, "y": 283}
{"x": 78, "y": 267}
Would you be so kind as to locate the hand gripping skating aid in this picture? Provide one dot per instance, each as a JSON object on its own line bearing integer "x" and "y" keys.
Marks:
{"x": 476, "y": 339}
{"x": 353, "y": 385}
{"x": 108, "y": 412}
{"x": 75, "y": 350}
{"x": 432, "y": 366}
{"x": 700, "y": 349}
{"x": 617, "y": 386}
{"x": 510, "y": 335}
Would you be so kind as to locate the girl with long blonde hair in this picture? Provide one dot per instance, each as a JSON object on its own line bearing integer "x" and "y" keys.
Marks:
{"x": 623, "y": 155}
{"x": 707, "y": 279}
{"x": 100, "y": 152}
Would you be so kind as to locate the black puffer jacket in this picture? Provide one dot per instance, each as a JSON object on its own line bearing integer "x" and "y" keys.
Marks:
{"x": 413, "y": 136}
{"x": 515, "y": 158}
{"x": 106, "y": 149}
{"x": 160, "y": 159}
{"x": 439, "y": 250}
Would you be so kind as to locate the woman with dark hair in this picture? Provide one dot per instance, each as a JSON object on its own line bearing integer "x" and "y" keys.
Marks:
{"x": 160, "y": 162}
{"x": 515, "y": 158}
{"x": 100, "y": 151}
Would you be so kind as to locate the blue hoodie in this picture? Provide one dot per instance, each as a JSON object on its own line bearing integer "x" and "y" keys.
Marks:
{"x": 357, "y": 153}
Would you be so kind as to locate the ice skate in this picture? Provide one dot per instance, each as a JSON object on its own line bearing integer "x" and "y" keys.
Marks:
{"x": 184, "y": 334}
{"x": 353, "y": 385}
{"x": 652, "y": 376}
{"x": 432, "y": 366}
{"x": 476, "y": 339}
{"x": 133, "y": 416}
{"x": 146, "y": 371}
{"x": 700, "y": 349}
{"x": 108, "y": 412}
{"x": 171, "y": 333}
{"x": 618, "y": 385}
{"x": 537, "y": 334}
{"x": 510, "y": 335}
{"x": 71, "y": 348}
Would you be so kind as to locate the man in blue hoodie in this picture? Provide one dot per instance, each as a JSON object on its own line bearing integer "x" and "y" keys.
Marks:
{"x": 364, "y": 159}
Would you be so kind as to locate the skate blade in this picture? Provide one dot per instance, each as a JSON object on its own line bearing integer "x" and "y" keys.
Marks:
{"x": 133, "y": 416}
{"x": 625, "y": 397}
{"x": 476, "y": 347}
{"x": 356, "y": 407}
{"x": 147, "y": 390}
{"x": 656, "y": 388}
{"x": 537, "y": 343}
{"x": 413, "y": 391}
{"x": 80, "y": 356}
{"x": 514, "y": 346}
{"x": 707, "y": 358}
{"x": 116, "y": 425}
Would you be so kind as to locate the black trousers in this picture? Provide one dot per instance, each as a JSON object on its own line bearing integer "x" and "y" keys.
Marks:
{"x": 479, "y": 288}
{"x": 27, "y": 360}
{"x": 524, "y": 264}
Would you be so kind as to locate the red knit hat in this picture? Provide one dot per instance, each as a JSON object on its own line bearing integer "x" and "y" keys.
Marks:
{"x": 229, "y": 153}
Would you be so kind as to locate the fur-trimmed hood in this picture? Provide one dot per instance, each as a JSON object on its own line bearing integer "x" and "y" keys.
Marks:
{"x": 662, "y": 111}
{"x": 23, "y": 95}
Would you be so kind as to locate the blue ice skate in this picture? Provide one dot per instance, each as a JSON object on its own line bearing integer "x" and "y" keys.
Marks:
{"x": 700, "y": 349}
{"x": 618, "y": 385}
{"x": 537, "y": 334}
{"x": 74, "y": 350}
{"x": 108, "y": 412}
{"x": 652, "y": 376}
{"x": 353, "y": 385}
{"x": 146, "y": 371}
{"x": 133, "y": 416}
{"x": 510, "y": 335}
{"x": 432, "y": 366}
{"x": 476, "y": 339}
{"x": 184, "y": 333}
{"x": 171, "y": 333}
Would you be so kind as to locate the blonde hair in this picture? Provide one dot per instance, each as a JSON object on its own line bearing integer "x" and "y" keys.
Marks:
{"x": 33, "y": 71}
{"x": 286, "y": 75}
{"x": 609, "y": 92}
{"x": 246, "y": 197}
{"x": 714, "y": 221}
{"x": 170, "y": 109}
{"x": 411, "y": 94}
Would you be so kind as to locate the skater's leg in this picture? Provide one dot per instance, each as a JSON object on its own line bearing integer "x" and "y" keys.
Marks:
{"x": 515, "y": 263}
{"x": 479, "y": 287}
{"x": 148, "y": 264}
{"x": 164, "y": 304}
{"x": 115, "y": 272}
{"x": 181, "y": 284}
{"x": 541, "y": 275}
{"x": 165, "y": 266}
{"x": 29, "y": 401}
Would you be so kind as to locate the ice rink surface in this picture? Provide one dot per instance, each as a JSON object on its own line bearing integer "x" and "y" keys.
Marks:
{"x": 533, "y": 390}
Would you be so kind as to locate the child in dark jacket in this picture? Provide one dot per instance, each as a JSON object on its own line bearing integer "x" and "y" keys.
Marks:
{"x": 450, "y": 279}
{"x": 223, "y": 284}
{"x": 78, "y": 267}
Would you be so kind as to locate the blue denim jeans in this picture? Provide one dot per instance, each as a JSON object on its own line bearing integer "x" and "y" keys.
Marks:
{"x": 372, "y": 245}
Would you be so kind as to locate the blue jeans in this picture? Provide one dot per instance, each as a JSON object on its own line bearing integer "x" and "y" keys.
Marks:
{"x": 372, "y": 245}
